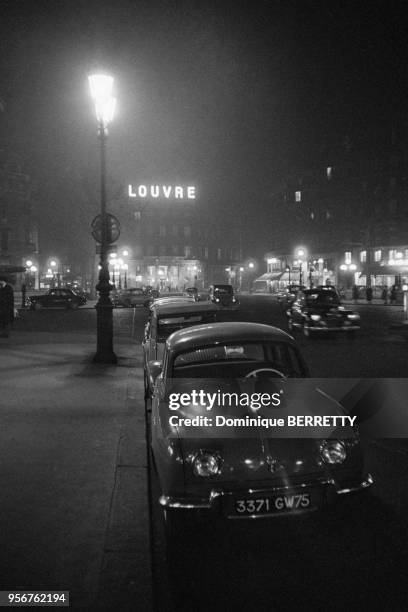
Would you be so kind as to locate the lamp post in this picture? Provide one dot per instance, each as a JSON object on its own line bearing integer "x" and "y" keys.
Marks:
{"x": 101, "y": 92}
{"x": 288, "y": 271}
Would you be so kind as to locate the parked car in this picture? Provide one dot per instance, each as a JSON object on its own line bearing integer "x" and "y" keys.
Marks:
{"x": 223, "y": 296}
{"x": 130, "y": 298}
{"x": 320, "y": 311}
{"x": 56, "y": 298}
{"x": 165, "y": 318}
{"x": 242, "y": 477}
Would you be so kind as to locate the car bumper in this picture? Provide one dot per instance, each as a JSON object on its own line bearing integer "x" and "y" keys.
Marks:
{"x": 329, "y": 487}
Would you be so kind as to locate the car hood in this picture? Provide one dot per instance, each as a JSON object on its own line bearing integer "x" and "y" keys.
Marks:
{"x": 328, "y": 309}
{"x": 254, "y": 453}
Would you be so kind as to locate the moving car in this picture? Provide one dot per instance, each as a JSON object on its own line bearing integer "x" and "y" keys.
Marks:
{"x": 320, "y": 311}
{"x": 193, "y": 291}
{"x": 165, "y": 318}
{"x": 130, "y": 298}
{"x": 288, "y": 294}
{"x": 56, "y": 298}
{"x": 242, "y": 476}
{"x": 223, "y": 296}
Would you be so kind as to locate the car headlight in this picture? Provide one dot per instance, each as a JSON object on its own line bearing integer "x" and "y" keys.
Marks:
{"x": 234, "y": 300}
{"x": 206, "y": 464}
{"x": 315, "y": 317}
{"x": 333, "y": 452}
{"x": 217, "y": 299}
{"x": 353, "y": 317}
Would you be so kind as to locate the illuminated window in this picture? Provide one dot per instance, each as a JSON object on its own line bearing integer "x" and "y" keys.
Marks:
{"x": 206, "y": 252}
{"x": 187, "y": 251}
{"x": 347, "y": 257}
{"x": 298, "y": 196}
{"x": 219, "y": 253}
{"x": 377, "y": 255}
{"x": 363, "y": 256}
{"x": 329, "y": 171}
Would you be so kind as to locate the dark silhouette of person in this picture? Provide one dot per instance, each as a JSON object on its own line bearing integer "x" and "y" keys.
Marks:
{"x": 6, "y": 307}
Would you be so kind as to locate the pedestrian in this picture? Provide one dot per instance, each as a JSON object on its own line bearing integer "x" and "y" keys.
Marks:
{"x": 6, "y": 307}
{"x": 355, "y": 293}
{"x": 384, "y": 295}
{"x": 393, "y": 295}
{"x": 369, "y": 294}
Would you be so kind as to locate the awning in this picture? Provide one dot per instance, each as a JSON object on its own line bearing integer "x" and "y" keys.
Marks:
{"x": 270, "y": 276}
{"x": 376, "y": 270}
{"x": 8, "y": 269}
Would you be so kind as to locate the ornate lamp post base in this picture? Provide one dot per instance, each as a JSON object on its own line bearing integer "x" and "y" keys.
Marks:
{"x": 104, "y": 326}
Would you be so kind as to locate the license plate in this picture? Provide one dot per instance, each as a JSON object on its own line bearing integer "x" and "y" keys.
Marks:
{"x": 278, "y": 504}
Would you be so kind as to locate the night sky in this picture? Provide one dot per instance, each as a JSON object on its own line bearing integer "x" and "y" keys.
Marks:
{"x": 230, "y": 96}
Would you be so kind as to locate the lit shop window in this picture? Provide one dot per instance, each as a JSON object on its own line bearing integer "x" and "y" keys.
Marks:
{"x": 363, "y": 256}
{"x": 377, "y": 255}
{"x": 298, "y": 196}
{"x": 347, "y": 257}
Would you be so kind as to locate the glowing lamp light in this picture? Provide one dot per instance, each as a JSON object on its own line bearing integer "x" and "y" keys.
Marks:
{"x": 29, "y": 263}
{"x": 101, "y": 91}
{"x": 405, "y": 287}
{"x": 353, "y": 267}
{"x": 251, "y": 265}
{"x": 343, "y": 267}
{"x": 301, "y": 253}
{"x": 33, "y": 269}
{"x": 53, "y": 263}
{"x": 125, "y": 253}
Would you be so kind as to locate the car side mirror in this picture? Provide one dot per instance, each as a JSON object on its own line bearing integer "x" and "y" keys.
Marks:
{"x": 155, "y": 369}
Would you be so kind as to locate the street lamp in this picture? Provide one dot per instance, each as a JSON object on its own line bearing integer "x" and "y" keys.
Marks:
{"x": 101, "y": 92}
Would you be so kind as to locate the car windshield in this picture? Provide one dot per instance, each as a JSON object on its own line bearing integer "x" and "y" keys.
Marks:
{"x": 322, "y": 298}
{"x": 237, "y": 360}
{"x": 223, "y": 289}
{"x": 168, "y": 324}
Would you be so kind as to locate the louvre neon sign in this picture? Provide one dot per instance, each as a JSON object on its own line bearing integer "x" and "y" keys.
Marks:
{"x": 167, "y": 192}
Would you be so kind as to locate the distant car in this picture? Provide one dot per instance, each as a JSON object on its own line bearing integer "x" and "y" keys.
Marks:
{"x": 193, "y": 291}
{"x": 242, "y": 477}
{"x": 165, "y": 318}
{"x": 320, "y": 310}
{"x": 57, "y": 298}
{"x": 223, "y": 296}
{"x": 130, "y": 298}
{"x": 288, "y": 294}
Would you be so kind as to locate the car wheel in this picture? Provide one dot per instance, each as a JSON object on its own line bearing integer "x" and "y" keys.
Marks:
{"x": 38, "y": 306}
{"x": 306, "y": 330}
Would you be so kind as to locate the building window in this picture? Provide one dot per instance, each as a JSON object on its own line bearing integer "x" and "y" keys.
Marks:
{"x": 363, "y": 256}
{"x": 377, "y": 255}
{"x": 219, "y": 254}
{"x": 347, "y": 257}
{"x": 298, "y": 196}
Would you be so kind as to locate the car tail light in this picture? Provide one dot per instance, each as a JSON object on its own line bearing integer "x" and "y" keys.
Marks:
{"x": 333, "y": 452}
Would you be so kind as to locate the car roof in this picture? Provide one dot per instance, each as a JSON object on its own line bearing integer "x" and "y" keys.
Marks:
{"x": 214, "y": 333}
{"x": 186, "y": 307}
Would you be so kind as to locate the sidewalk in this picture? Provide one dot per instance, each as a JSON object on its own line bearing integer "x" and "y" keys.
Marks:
{"x": 74, "y": 503}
